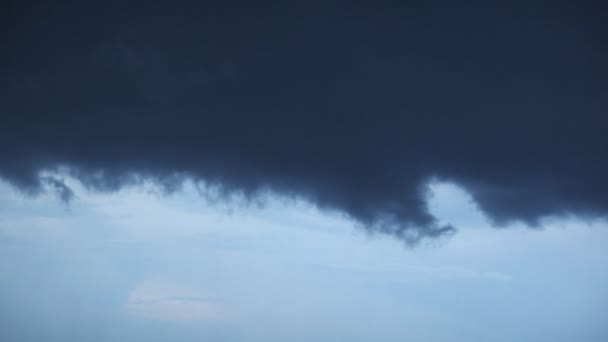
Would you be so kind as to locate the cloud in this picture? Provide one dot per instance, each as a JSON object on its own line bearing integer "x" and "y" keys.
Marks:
{"x": 172, "y": 302}
{"x": 58, "y": 186}
{"x": 354, "y": 109}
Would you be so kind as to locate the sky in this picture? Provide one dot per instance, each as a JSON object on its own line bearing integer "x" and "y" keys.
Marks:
{"x": 237, "y": 171}
{"x": 138, "y": 264}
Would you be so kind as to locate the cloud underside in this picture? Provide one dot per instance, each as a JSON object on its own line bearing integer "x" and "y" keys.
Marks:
{"x": 354, "y": 110}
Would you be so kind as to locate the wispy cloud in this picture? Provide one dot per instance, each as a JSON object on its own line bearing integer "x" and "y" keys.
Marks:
{"x": 172, "y": 302}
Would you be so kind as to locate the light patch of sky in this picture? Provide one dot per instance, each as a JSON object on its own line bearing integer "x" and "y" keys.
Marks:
{"x": 137, "y": 264}
{"x": 167, "y": 301}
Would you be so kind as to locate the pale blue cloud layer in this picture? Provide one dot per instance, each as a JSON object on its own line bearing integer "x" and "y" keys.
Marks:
{"x": 137, "y": 265}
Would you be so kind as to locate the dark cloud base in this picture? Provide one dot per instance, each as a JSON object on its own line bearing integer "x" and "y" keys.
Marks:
{"x": 353, "y": 108}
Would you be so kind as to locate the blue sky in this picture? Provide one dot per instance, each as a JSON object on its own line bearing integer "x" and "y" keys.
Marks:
{"x": 139, "y": 264}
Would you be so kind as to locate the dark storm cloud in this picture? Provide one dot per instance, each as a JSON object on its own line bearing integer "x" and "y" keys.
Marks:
{"x": 354, "y": 108}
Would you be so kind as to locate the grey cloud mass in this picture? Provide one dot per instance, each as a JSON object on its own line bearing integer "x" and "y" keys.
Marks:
{"x": 354, "y": 107}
